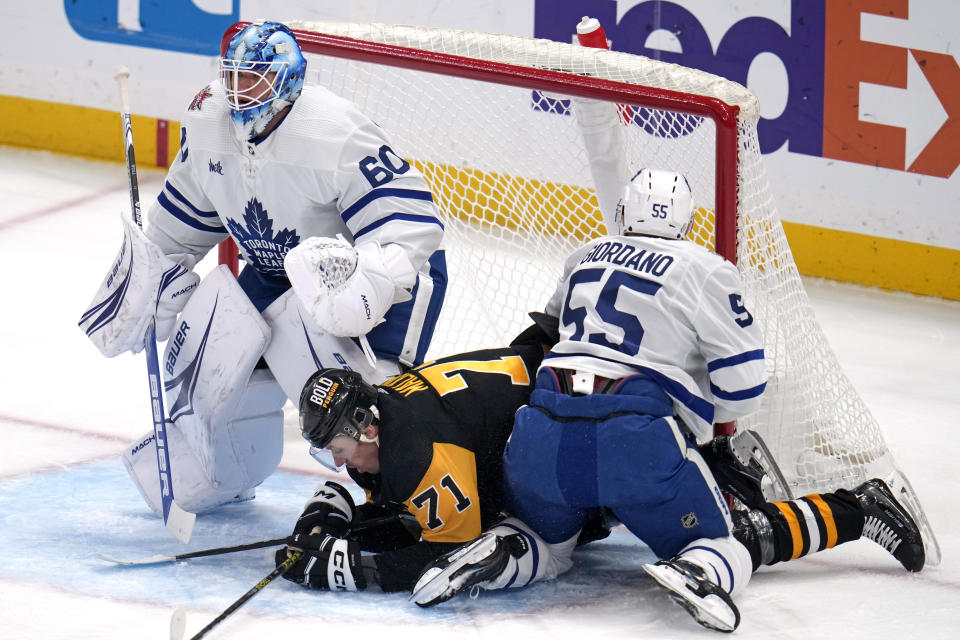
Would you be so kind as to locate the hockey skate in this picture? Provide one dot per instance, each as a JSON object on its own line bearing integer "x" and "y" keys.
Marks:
{"x": 744, "y": 467}
{"x": 890, "y": 525}
{"x": 703, "y": 599}
{"x": 472, "y": 564}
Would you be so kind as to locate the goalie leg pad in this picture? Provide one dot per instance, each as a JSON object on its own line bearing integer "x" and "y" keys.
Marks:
{"x": 250, "y": 446}
{"x": 299, "y": 348}
{"x": 229, "y": 416}
{"x": 191, "y": 487}
{"x": 242, "y": 454}
{"x": 142, "y": 284}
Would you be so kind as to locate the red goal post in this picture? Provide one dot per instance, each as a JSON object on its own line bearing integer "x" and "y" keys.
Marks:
{"x": 722, "y": 113}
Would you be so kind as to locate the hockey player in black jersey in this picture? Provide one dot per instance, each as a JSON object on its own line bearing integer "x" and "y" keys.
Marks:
{"x": 427, "y": 448}
{"x": 427, "y": 444}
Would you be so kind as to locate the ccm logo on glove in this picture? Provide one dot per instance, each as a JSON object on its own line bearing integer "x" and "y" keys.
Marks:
{"x": 339, "y": 577}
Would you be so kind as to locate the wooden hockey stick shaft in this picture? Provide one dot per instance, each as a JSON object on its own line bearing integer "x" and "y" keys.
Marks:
{"x": 178, "y": 522}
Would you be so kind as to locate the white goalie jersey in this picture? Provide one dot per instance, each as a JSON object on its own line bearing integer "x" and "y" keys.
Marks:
{"x": 670, "y": 309}
{"x": 325, "y": 170}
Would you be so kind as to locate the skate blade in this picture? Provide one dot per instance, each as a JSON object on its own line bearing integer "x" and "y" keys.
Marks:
{"x": 438, "y": 584}
{"x": 748, "y": 445}
{"x": 709, "y": 611}
{"x": 903, "y": 491}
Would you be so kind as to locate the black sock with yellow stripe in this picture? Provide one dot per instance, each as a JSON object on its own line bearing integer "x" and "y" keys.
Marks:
{"x": 780, "y": 531}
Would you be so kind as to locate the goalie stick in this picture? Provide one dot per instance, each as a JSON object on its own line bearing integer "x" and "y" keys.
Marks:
{"x": 178, "y": 522}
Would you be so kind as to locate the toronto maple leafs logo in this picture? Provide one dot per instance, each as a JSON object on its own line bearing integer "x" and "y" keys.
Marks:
{"x": 264, "y": 250}
{"x": 198, "y": 99}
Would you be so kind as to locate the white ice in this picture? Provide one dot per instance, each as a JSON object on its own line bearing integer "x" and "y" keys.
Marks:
{"x": 65, "y": 412}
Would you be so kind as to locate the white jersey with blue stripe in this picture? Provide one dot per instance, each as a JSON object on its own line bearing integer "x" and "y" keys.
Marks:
{"x": 327, "y": 169}
{"x": 670, "y": 309}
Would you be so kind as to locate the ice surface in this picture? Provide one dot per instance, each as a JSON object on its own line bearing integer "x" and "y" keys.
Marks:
{"x": 65, "y": 412}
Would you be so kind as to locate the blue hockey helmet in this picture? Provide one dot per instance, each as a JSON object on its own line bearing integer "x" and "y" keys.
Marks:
{"x": 262, "y": 73}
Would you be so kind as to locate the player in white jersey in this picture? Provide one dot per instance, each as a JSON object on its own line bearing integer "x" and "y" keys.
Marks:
{"x": 343, "y": 267}
{"x": 651, "y": 326}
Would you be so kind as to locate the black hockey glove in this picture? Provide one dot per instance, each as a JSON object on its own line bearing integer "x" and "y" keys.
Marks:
{"x": 334, "y": 565}
{"x": 328, "y": 513}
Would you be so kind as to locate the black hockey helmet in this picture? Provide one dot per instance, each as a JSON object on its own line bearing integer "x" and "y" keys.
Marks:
{"x": 335, "y": 402}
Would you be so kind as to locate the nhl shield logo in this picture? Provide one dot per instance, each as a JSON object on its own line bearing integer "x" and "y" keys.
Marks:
{"x": 689, "y": 521}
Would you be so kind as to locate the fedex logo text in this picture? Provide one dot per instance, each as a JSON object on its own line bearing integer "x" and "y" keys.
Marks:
{"x": 827, "y": 63}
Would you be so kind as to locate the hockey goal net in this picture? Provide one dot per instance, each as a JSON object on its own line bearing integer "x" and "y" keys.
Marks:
{"x": 499, "y": 128}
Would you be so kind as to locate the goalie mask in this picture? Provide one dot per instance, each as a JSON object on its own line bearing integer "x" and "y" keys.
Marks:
{"x": 656, "y": 203}
{"x": 336, "y": 402}
{"x": 262, "y": 73}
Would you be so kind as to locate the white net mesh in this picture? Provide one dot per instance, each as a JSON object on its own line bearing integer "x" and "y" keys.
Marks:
{"x": 509, "y": 170}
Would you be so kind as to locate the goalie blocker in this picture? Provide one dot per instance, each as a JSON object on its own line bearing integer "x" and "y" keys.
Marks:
{"x": 142, "y": 284}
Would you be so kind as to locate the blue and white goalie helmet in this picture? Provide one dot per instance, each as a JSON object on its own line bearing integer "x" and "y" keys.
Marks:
{"x": 262, "y": 73}
{"x": 656, "y": 203}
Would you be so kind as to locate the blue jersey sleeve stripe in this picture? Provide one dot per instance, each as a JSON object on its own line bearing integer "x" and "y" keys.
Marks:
{"x": 179, "y": 196}
{"x": 410, "y": 217}
{"x": 413, "y": 194}
{"x": 732, "y": 361}
{"x": 695, "y": 403}
{"x": 438, "y": 273}
{"x": 744, "y": 394}
{"x": 185, "y": 218}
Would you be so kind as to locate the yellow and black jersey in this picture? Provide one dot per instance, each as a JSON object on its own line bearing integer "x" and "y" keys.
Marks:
{"x": 443, "y": 427}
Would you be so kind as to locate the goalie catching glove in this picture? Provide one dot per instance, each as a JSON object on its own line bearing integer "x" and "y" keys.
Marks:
{"x": 348, "y": 289}
{"x": 143, "y": 284}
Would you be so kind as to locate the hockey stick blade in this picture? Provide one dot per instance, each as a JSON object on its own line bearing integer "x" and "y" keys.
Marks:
{"x": 178, "y": 624}
{"x": 158, "y": 559}
{"x": 180, "y": 523}
{"x": 161, "y": 559}
{"x": 282, "y": 568}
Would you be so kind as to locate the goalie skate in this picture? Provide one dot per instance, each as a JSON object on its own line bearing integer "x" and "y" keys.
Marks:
{"x": 473, "y": 564}
{"x": 709, "y": 605}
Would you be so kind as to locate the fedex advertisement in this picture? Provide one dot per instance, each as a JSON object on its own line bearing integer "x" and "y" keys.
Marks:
{"x": 822, "y": 113}
{"x": 860, "y": 99}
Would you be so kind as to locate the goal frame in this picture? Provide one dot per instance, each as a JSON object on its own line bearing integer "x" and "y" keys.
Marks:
{"x": 743, "y": 220}
{"x": 724, "y": 115}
